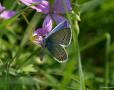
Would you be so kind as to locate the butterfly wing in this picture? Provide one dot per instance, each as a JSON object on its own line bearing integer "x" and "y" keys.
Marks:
{"x": 62, "y": 37}
{"x": 57, "y": 51}
{"x": 54, "y": 41}
{"x": 60, "y": 34}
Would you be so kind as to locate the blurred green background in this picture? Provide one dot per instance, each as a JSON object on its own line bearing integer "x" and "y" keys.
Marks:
{"x": 21, "y": 68}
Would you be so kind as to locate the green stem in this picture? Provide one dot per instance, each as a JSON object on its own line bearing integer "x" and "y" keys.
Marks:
{"x": 81, "y": 75}
{"x": 14, "y": 5}
{"x": 108, "y": 41}
{"x": 76, "y": 47}
{"x": 25, "y": 18}
{"x": 6, "y": 69}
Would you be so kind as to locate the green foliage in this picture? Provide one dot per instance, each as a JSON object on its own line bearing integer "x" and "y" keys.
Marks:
{"x": 21, "y": 68}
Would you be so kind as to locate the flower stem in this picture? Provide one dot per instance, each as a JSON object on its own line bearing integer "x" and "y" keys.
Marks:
{"x": 108, "y": 41}
{"x": 78, "y": 58}
{"x": 76, "y": 46}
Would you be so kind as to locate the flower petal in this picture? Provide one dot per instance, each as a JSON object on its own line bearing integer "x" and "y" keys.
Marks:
{"x": 7, "y": 14}
{"x": 37, "y": 39}
{"x": 40, "y": 32}
{"x": 1, "y": 8}
{"x": 59, "y": 6}
{"x": 58, "y": 18}
{"x": 47, "y": 24}
{"x": 46, "y": 28}
{"x": 41, "y": 5}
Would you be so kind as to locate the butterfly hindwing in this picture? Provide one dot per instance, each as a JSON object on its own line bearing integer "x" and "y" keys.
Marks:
{"x": 57, "y": 51}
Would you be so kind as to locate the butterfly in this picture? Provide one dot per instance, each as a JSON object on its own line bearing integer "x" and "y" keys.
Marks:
{"x": 56, "y": 41}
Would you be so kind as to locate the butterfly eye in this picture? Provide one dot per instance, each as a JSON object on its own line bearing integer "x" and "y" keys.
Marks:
{"x": 43, "y": 36}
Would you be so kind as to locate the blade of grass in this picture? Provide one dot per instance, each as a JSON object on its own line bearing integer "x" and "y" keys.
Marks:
{"x": 25, "y": 18}
{"x": 6, "y": 73}
{"x": 14, "y": 5}
{"x": 81, "y": 75}
{"x": 108, "y": 42}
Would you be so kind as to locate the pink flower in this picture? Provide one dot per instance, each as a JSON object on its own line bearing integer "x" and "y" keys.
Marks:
{"x": 1, "y": 8}
{"x": 44, "y": 7}
{"x": 6, "y": 14}
{"x": 42, "y": 32}
{"x": 38, "y": 5}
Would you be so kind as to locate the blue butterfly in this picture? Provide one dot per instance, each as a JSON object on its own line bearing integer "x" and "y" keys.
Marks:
{"x": 57, "y": 40}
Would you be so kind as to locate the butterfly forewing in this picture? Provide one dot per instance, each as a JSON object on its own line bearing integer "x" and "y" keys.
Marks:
{"x": 61, "y": 34}
{"x": 57, "y": 51}
{"x": 62, "y": 37}
{"x": 60, "y": 26}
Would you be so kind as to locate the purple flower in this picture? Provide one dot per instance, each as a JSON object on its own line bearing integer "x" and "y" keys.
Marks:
{"x": 58, "y": 18}
{"x": 58, "y": 9}
{"x": 59, "y": 6}
{"x": 44, "y": 7}
{"x": 7, "y": 14}
{"x": 38, "y": 5}
{"x": 1, "y": 8}
{"x": 40, "y": 33}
